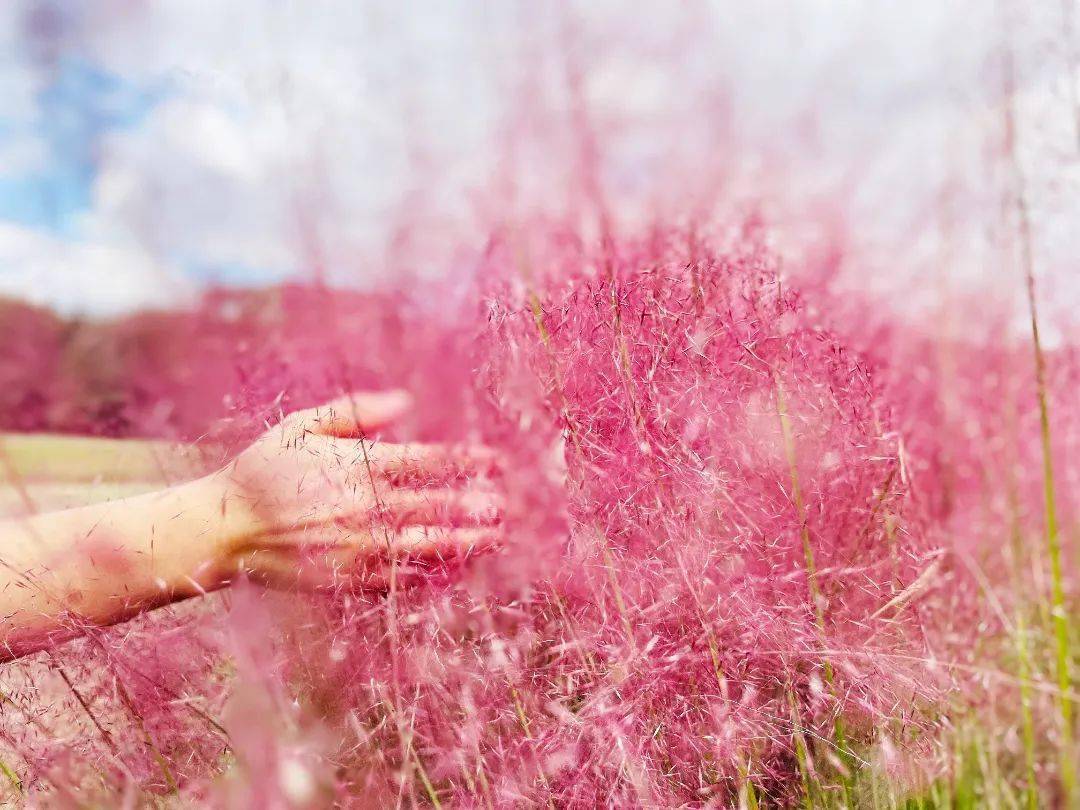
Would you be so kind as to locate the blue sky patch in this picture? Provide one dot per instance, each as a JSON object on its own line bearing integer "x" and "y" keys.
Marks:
{"x": 76, "y": 108}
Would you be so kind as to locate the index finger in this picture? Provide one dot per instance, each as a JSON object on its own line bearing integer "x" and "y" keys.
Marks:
{"x": 353, "y": 414}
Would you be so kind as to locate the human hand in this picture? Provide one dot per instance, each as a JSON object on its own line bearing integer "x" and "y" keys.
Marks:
{"x": 321, "y": 498}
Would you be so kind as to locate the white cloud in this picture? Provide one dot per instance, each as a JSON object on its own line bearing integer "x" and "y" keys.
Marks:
{"x": 83, "y": 278}
{"x": 303, "y": 133}
{"x": 22, "y": 153}
{"x": 294, "y": 143}
{"x": 21, "y": 149}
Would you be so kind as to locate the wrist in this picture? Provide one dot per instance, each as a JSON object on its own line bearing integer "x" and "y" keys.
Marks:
{"x": 225, "y": 524}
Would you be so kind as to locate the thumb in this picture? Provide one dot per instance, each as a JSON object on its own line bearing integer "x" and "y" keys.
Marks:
{"x": 355, "y": 414}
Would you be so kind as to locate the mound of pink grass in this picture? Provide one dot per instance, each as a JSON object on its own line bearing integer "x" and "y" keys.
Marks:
{"x": 709, "y": 542}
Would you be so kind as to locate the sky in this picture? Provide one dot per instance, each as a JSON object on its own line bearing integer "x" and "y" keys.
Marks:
{"x": 149, "y": 148}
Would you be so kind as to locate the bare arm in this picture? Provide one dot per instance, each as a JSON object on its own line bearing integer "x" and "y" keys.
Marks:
{"x": 107, "y": 562}
{"x": 307, "y": 503}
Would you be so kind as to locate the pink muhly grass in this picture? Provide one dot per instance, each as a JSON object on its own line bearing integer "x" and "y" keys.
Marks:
{"x": 650, "y": 635}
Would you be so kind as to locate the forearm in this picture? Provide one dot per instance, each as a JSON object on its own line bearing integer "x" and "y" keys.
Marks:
{"x": 104, "y": 563}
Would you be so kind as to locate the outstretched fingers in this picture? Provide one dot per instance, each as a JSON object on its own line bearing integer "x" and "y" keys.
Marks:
{"x": 417, "y": 550}
{"x": 438, "y": 542}
{"x": 401, "y": 463}
{"x": 425, "y": 463}
{"x": 352, "y": 415}
{"x": 329, "y": 557}
{"x": 431, "y": 507}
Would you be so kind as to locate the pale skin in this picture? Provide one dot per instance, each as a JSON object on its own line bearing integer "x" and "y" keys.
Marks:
{"x": 314, "y": 502}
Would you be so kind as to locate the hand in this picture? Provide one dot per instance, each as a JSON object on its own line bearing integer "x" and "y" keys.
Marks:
{"x": 322, "y": 500}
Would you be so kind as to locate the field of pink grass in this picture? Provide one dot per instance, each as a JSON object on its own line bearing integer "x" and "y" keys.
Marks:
{"x": 758, "y": 553}
{"x": 770, "y": 540}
